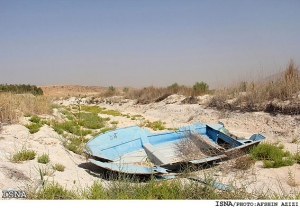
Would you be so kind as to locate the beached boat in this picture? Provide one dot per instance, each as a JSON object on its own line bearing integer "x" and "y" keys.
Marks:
{"x": 134, "y": 150}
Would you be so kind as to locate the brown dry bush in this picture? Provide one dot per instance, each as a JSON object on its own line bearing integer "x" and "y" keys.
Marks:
{"x": 263, "y": 95}
{"x": 148, "y": 94}
{"x": 12, "y": 106}
{"x": 195, "y": 146}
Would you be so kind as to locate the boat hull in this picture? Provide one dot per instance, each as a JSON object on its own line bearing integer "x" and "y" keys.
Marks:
{"x": 134, "y": 150}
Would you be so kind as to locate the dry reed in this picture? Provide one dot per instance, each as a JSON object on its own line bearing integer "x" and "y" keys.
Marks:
{"x": 264, "y": 95}
{"x": 12, "y": 106}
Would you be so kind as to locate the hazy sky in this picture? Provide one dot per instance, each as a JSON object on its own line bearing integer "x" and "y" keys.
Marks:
{"x": 145, "y": 42}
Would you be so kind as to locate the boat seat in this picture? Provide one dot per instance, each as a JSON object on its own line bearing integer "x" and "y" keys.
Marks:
{"x": 154, "y": 155}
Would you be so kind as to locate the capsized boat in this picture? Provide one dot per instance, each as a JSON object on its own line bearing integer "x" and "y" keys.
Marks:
{"x": 134, "y": 150}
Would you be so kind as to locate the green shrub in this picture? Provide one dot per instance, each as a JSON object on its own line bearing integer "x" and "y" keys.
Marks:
{"x": 272, "y": 155}
{"x": 23, "y": 155}
{"x": 200, "y": 87}
{"x": 34, "y": 127}
{"x": 44, "y": 158}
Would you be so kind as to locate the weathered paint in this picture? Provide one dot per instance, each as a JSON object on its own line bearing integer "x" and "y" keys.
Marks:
{"x": 135, "y": 150}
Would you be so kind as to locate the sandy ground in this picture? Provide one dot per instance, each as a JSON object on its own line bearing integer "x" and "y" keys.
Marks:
{"x": 78, "y": 174}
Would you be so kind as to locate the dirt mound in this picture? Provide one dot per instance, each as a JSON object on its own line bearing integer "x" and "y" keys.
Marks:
{"x": 288, "y": 107}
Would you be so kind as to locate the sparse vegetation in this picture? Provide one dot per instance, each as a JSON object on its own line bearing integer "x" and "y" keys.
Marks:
{"x": 34, "y": 127}
{"x": 23, "y": 155}
{"x": 75, "y": 144}
{"x": 59, "y": 167}
{"x": 44, "y": 158}
{"x": 69, "y": 127}
{"x": 36, "y": 124}
{"x": 135, "y": 117}
{"x": 156, "y": 125}
{"x": 82, "y": 121}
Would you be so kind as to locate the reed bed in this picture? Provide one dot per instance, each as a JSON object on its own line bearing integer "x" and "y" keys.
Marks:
{"x": 13, "y": 106}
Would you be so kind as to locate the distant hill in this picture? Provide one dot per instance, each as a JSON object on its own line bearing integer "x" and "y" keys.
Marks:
{"x": 75, "y": 90}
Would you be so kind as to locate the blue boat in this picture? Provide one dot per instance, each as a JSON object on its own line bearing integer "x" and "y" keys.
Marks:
{"x": 134, "y": 150}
